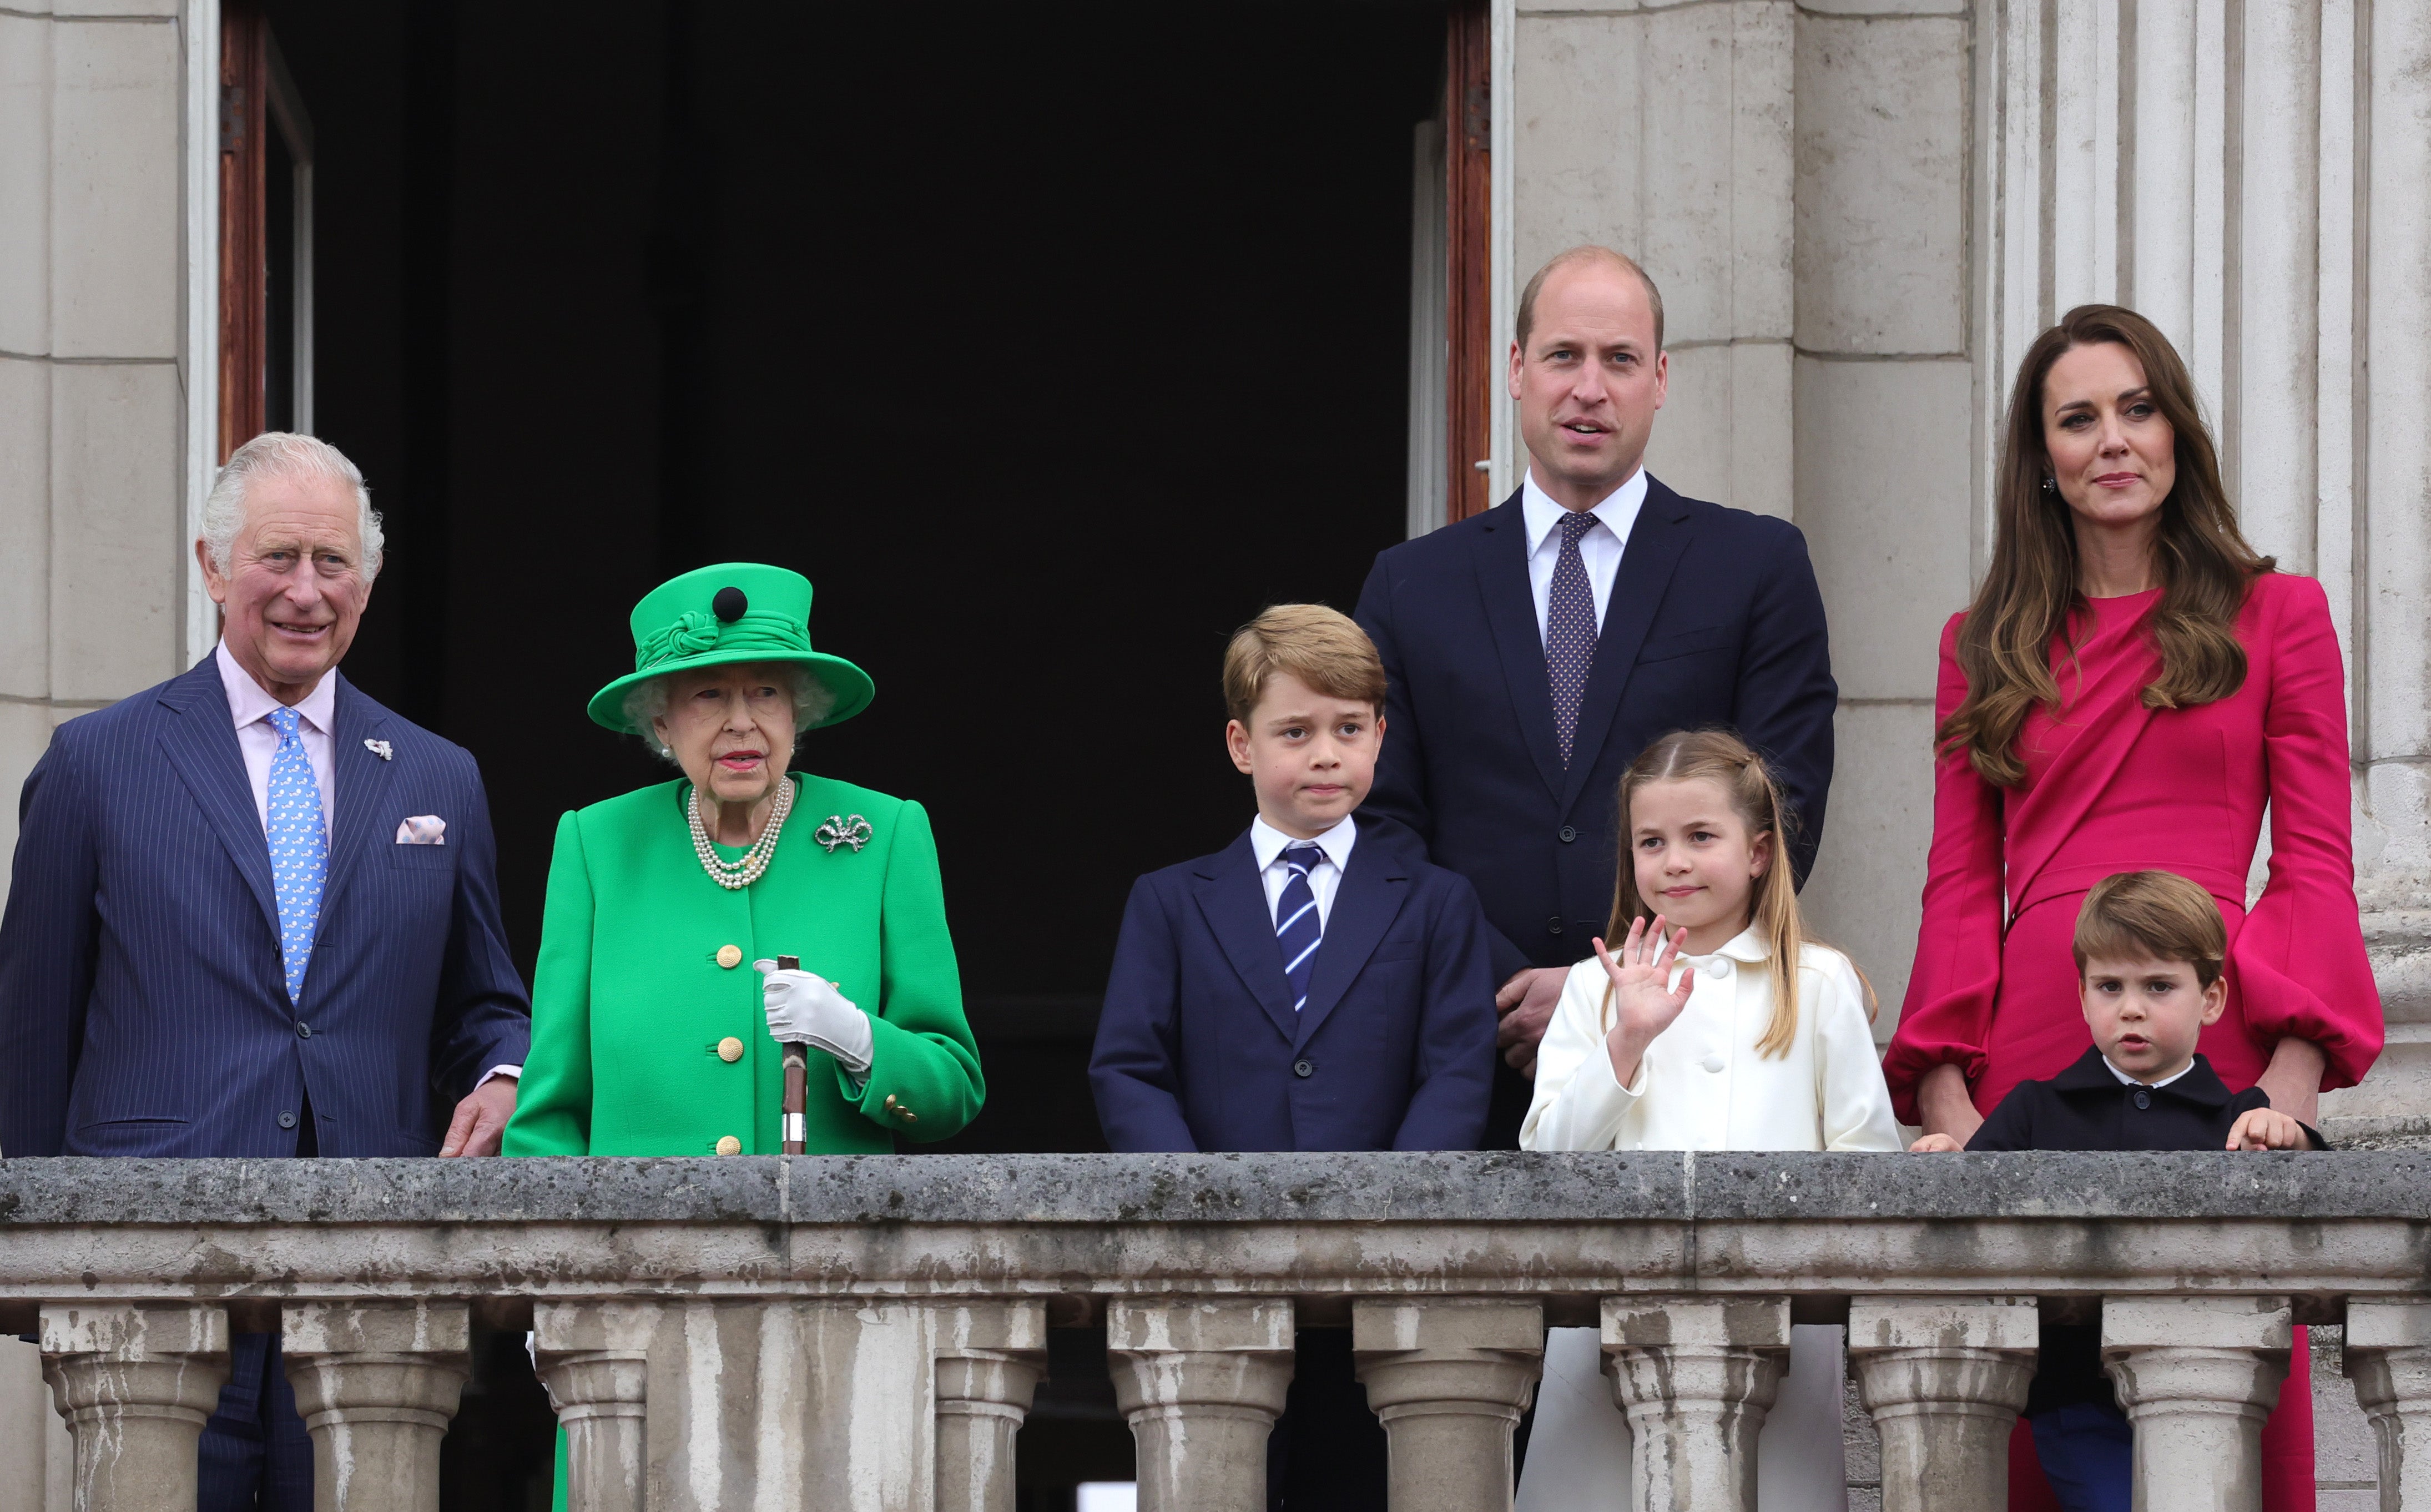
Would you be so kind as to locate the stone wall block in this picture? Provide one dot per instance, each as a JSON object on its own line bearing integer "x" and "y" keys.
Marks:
{"x": 593, "y": 1358}
{"x": 24, "y": 521}
{"x": 1716, "y": 218}
{"x": 2197, "y": 1376}
{"x": 1696, "y": 1376}
{"x": 1201, "y": 1382}
{"x": 1944, "y": 1380}
{"x": 25, "y": 187}
{"x": 115, "y": 523}
{"x": 1575, "y": 79}
{"x": 116, "y": 211}
{"x": 1449, "y": 1380}
{"x": 377, "y": 1383}
{"x": 1723, "y": 433}
{"x": 136, "y": 1382}
{"x": 989, "y": 1358}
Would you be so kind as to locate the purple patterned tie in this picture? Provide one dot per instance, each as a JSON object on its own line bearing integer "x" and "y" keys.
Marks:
{"x": 1570, "y": 629}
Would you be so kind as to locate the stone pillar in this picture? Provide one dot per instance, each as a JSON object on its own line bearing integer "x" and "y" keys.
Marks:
{"x": 989, "y": 1358}
{"x": 1448, "y": 1379}
{"x": 2197, "y": 1375}
{"x": 2388, "y": 1358}
{"x": 377, "y": 1383}
{"x": 1696, "y": 1376}
{"x": 136, "y": 1382}
{"x": 1201, "y": 1381}
{"x": 1944, "y": 1378}
{"x": 593, "y": 1358}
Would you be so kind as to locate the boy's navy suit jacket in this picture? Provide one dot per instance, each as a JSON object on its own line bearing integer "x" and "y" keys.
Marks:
{"x": 1198, "y": 1049}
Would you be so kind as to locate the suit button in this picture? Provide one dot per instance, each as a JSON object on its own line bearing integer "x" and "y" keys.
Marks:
{"x": 729, "y": 1146}
{"x": 1303, "y": 1067}
{"x": 730, "y": 956}
{"x": 1713, "y": 1063}
{"x": 303, "y": 1031}
{"x": 2143, "y": 1099}
{"x": 730, "y": 1049}
{"x": 1569, "y": 833}
{"x": 1553, "y": 924}
{"x": 287, "y": 1121}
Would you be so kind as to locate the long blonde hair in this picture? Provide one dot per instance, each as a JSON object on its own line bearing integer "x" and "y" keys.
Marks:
{"x": 1722, "y": 758}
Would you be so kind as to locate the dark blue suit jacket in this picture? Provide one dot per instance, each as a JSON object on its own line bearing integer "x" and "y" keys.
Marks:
{"x": 144, "y": 1008}
{"x": 1714, "y": 619}
{"x": 1198, "y": 1049}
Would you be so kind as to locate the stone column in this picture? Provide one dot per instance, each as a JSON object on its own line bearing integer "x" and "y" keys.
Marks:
{"x": 2197, "y": 1375}
{"x": 1448, "y": 1379}
{"x": 989, "y": 1358}
{"x": 135, "y": 1383}
{"x": 593, "y": 1358}
{"x": 377, "y": 1383}
{"x": 2388, "y": 1358}
{"x": 1944, "y": 1378}
{"x": 1201, "y": 1381}
{"x": 1696, "y": 1376}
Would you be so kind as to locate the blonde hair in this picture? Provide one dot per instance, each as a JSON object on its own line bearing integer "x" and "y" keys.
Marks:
{"x": 1723, "y": 759}
{"x": 1323, "y": 647}
{"x": 2156, "y": 914}
{"x": 1590, "y": 252}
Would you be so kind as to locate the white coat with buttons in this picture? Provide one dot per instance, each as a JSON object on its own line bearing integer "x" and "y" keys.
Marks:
{"x": 1702, "y": 1084}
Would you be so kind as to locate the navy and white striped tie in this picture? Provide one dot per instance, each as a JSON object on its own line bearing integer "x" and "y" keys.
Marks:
{"x": 1297, "y": 927}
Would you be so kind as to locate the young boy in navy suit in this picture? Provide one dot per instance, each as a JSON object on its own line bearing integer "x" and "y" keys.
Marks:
{"x": 1317, "y": 984}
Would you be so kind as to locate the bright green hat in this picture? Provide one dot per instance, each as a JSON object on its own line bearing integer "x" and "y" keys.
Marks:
{"x": 737, "y": 611}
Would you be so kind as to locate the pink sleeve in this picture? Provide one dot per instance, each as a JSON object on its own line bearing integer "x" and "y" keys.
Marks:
{"x": 1957, "y": 970}
{"x": 2299, "y": 962}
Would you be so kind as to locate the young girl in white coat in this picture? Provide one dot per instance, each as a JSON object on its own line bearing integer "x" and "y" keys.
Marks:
{"x": 1717, "y": 1024}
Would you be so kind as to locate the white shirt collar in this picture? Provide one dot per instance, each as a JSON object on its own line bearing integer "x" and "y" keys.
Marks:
{"x": 1746, "y": 947}
{"x": 1266, "y": 842}
{"x": 2132, "y": 1081}
{"x": 249, "y": 700}
{"x": 1618, "y": 510}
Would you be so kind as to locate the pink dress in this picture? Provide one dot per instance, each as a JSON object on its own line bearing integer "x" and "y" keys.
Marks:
{"x": 2114, "y": 786}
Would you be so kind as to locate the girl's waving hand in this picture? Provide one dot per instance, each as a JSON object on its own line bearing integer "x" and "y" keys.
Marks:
{"x": 1644, "y": 1003}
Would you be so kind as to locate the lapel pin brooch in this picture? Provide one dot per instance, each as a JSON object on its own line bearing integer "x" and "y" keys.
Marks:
{"x": 840, "y": 830}
{"x": 380, "y": 748}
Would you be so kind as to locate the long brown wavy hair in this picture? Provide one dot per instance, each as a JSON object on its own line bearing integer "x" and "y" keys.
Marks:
{"x": 2204, "y": 565}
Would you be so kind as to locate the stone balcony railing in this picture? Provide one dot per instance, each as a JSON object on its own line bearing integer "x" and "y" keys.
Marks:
{"x": 866, "y": 1333}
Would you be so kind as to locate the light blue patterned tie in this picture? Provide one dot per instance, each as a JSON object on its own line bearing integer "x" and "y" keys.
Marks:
{"x": 1297, "y": 929}
{"x": 299, "y": 848}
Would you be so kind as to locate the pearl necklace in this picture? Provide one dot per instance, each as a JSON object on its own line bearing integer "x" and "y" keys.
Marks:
{"x": 736, "y": 875}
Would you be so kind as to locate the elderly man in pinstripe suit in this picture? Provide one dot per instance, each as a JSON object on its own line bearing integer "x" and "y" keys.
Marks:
{"x": 253, "y": 912}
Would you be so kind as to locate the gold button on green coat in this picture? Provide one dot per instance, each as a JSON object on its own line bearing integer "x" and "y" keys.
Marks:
{"x": 730, "y": 1049}
{"x": 622, "y": 976}
{"x": 729, "y": 1146}
{"x": 730, "y": 956}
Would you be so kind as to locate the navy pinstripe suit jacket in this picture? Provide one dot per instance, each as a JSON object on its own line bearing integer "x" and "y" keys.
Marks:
{"x": 144, "y": 1008}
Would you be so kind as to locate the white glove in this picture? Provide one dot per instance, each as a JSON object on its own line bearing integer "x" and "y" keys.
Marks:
{"x": 806, "y": 1009}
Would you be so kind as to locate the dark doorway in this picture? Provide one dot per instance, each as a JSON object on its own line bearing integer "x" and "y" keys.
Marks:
{"x": 1052, "y": 341}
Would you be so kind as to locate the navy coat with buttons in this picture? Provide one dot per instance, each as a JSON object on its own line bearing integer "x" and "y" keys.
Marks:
{"x": 1198, "y": 1049}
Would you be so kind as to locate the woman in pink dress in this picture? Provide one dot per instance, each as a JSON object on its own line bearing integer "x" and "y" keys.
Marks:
{"x": 2132, "y": 687}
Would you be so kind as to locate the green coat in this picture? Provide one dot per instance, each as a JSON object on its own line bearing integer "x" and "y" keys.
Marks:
{"x": 632, "y": 1004}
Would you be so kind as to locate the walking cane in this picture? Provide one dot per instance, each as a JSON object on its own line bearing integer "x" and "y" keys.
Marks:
{"x": 797, "y": 1083}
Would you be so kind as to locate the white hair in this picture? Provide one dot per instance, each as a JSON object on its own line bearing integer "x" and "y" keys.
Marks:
{"x": 646, "y": 702}
{"x": 283, "y": 454}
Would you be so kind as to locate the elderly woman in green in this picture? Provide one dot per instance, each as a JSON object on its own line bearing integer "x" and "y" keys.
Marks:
{"x": 657, "y": 1008}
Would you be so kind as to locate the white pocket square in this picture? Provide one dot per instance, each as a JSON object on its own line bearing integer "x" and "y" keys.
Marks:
{"x": 423, "y": 829}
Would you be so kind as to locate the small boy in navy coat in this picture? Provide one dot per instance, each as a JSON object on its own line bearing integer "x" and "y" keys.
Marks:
{"x": 1317, "y": 984}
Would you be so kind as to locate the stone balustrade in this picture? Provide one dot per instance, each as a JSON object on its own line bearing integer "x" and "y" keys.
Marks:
{"x": 866, "y": 1333}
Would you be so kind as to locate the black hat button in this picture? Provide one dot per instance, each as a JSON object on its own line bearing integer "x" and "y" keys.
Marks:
{"x": 729, "y": 604}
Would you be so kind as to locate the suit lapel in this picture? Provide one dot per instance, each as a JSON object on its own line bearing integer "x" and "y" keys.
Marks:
{"x": 201, "y": 745}
{"x": 1657, "y": 540}
{"x": 1501, "y": 557}
{"x": 1365, "y": 902}
{"x": 1233, "y": 901}
{"x": 357, "y": 784}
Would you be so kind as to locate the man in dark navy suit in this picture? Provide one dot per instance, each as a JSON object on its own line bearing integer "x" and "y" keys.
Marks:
{"x": 253, "y": 912}
{"x": 1537, "y": 648}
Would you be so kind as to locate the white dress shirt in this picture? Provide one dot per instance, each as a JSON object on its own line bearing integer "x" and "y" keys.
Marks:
{"x": 2135, "y": 1080}
{"x": 1701, "y": 1083}
{"x": 1267, "y": 843}
{"x": 250, "y": 705}
{"x": 1598, "y": 549}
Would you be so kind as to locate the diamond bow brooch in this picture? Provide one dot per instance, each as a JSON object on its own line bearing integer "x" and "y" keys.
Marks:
{"x": 380, "y": 748}
{"x": 843, "y": 830}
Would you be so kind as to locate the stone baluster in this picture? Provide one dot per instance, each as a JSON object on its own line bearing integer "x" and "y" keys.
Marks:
{"x": 1696, "y": 1376}
{"x": 377, "y": 1383}
{"x": 2388, "y": 1358}
{"x": 989, "y": 1358}
{"x": 1944, "y": 1378}
{"x": 1448, "y": 1379}
{"x": 1201, "y": 1381}
{"x": 594, "y": 1359}
{"x": 2197, "y": 1375}
{"x": 136, "y": 1382}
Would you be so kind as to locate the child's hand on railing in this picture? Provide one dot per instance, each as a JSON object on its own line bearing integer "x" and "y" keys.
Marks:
{"x": 2265, "y": 1129}
{"x": 1935, "y": 1144}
